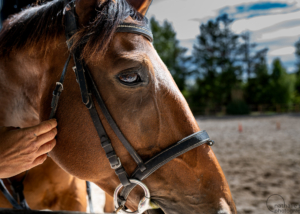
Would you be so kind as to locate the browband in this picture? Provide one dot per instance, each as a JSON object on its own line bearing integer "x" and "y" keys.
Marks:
{"x": 137, "y": 29}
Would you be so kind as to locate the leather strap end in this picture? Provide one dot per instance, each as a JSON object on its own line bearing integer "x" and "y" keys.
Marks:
{"x": 122, "y": 174}
{"x": 142, "y": 166}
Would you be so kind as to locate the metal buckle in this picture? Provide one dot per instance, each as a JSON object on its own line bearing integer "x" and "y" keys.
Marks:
{"x": 145, "y": 203}
{"x": 61, "y": 85}
{"x": 117, "y": 165}
{"x": 210, "y": 142}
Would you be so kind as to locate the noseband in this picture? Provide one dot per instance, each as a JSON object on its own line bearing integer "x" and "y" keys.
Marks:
{"x": 88, "y": 89}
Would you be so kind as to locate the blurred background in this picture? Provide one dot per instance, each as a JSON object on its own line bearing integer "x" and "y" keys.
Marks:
{"x": 237, "y": 62}
{"x": 231, "y": 57}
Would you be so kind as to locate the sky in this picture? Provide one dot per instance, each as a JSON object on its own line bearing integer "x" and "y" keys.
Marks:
{"x": 274, "y": 24}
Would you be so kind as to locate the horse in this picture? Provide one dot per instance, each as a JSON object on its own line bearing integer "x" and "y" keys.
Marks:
{"x": 46, "y": 186}
{"x": 136, "y": 87}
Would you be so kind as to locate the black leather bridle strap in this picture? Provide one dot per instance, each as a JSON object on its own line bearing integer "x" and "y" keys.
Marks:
{"x": 8, "y": 196}
{"x": 115, "y": 163}
{"x": 113, "y": 159}
{"x": 70, "y": 29}
{"x": 89, "y": 193}
{"x": 111, "y": 121}
{"x": 18, "y": 189}
{"x": 58, "y": 89}
{"x": 136, "y": 29}
{"x": 177, "y": 149}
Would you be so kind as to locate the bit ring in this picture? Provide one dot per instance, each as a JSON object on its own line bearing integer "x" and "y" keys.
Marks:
{"x": 143, "y": 205}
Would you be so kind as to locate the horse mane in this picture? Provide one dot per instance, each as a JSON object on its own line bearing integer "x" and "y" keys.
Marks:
{"x": 40, "y": 26}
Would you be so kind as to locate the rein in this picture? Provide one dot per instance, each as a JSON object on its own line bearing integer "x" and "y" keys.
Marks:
{"x": 17, "y": 189}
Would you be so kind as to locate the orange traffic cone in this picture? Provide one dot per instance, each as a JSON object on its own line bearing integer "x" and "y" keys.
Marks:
{"x": 278, "y": 125}
{"x": 240, "y": 128}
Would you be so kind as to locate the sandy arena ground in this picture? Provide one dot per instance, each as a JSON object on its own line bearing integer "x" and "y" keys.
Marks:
{"x": 259, "y": 162}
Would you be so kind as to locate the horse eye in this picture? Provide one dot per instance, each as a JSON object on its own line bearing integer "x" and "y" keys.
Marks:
{"x": 129, "y": 78}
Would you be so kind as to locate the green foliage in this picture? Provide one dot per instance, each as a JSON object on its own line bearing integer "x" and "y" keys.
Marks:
{"x": 249, "y": 56}
{"x": 297, "y": 77}
{"x": 274, "y": 88}
{"x": 297, "y": 45}
{"x": 215, "y": 54}
{"x": 238, "y": 107}
{"x": 169, "y": 50}
{"x": 256, "y": 90}
{"x": 281, "y": 86}
{"x": 220, "y": 62}
{"x": 223, "y": 57}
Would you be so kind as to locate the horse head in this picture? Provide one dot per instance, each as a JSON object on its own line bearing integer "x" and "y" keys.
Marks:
{"x": 142, "y": 98}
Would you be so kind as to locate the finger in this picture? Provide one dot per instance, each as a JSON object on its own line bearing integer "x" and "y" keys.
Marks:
{"x": 39, "y": 160}
{"x": 47, "y": 147}
{"x": 44, "y": 138}
{"x": 9, "y": 128}
{"x": 42, "y": 128}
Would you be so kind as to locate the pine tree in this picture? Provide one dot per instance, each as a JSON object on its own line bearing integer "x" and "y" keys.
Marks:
{"x": 216, "y": 55}
{"x": 297, "y": 45}
{"x": 281, "y": 86}
{"x": 257, "y": 90}
{"x": 170, "y": 51}
{"x": 250, "y": 56}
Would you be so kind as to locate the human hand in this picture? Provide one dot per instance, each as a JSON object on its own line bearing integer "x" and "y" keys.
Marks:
{"x": 23, "y": 149}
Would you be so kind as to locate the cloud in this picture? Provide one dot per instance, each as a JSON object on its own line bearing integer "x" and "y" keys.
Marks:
{"x": 292, "y": 23}
{"x": 278, "y": 32}
{"x": 250, "y": 10}
{"x": 156, "y": 2}
{"x": 282, "y": 48}
{"x": 283, "y": 51}
{"x": 188, "y": 43}
{"x": 261, "y": 6}
{"x": 263, "y": 22}
{"x": 288, "y": 61}
{"x": 277, "y": 43}
{"x": 295, "y": 31}
{"x": 272, "y": 23}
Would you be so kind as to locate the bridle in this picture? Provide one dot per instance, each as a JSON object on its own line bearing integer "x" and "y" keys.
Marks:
{"x": 88, "y": 89}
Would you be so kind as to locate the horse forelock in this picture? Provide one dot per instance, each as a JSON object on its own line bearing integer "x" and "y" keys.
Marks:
{"x": 38, "y": 28}
{"x": 102, "y": 26}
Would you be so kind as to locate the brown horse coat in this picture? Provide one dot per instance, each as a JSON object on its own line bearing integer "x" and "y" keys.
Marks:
{"x": 152, "y": 114}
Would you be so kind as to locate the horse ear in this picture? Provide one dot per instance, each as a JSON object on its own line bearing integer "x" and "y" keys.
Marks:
{"x": 141, "y": 6}
{"x": 84, "y": 10}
